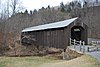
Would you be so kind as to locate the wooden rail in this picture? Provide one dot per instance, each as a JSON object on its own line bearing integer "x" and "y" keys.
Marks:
{"x": 75, "y": 43}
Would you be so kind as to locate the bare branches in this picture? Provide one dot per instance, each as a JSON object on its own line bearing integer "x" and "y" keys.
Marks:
{"x": 16, "y": 6}
{"x": 9, "y": 7}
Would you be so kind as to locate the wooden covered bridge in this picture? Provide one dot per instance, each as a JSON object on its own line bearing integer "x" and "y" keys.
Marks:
{"x": 56, "y": 34}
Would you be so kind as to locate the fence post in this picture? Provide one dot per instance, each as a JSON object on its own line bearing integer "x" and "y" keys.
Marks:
{"x": 80, "y": 45}
{"x": 97, "y": 42}
{"x": 74, "y": 43}
{"x": 88, "y": 49}
{"x": 92, "y": 42}
{"x": 83, "y": 46}
{"x": 70, "y": 42}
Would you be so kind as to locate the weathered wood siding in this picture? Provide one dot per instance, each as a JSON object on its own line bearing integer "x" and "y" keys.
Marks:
{"x": 51, "y": 38}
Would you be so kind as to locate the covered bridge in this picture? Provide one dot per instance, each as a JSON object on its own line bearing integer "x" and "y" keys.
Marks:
{"x": 57, "y": 34}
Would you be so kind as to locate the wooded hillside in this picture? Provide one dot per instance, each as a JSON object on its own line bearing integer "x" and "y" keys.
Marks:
{"x": 10, "y": 29}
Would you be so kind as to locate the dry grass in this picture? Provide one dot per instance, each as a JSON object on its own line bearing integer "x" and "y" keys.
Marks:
{"x": 25, "y": 61}
{"x": 83, "y": 61}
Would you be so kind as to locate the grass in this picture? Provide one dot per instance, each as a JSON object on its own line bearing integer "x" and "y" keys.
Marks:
{"x": 83, "y": 61}
{"x": 25, "y": 61}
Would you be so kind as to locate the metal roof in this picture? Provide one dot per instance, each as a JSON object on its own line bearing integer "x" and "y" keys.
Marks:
{"x": 50, "y": 25}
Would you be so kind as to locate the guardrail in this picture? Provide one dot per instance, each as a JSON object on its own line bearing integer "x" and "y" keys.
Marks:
{"x": 95, "y": 42}
{"x": 80, "y": 43}
{"x": 95, "y": 46}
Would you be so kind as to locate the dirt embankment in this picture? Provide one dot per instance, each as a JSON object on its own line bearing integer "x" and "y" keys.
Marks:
{"x": 22, "y": 51}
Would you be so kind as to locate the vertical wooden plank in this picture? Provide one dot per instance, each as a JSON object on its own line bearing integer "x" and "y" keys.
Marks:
{"x": 62, "y": 37}
{"x": 52, "y": 38}
{"x": 56, "y": 39}
{"x": 59, "y": 38}
{"x": 42, "y": 38}
{"x": 46, "y": 38}
{"x": 66, "y": 37}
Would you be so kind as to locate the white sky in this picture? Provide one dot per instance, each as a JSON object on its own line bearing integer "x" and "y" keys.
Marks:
{"x": 37, "y": 4}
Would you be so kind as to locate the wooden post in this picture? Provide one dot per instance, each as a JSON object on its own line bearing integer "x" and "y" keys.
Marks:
{"x": 88, "y": 49}
{"x": 70, "y": 42}
{"x": 83, "y": 46}
{"x": 97, "y": 42}
{"x": 64, "y": 55}
{"x": 74, "y": 43}
{"x": 80, "y": 45}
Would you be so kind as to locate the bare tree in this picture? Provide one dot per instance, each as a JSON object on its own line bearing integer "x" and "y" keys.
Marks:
{"x": 16, "y": 6}
{"x": 8, "y": 8}
{"x": 4, "y": 9}
{"x": 0, "y": 3}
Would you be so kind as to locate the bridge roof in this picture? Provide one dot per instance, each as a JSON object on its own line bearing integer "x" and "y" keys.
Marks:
{"x": 59, "y": 24}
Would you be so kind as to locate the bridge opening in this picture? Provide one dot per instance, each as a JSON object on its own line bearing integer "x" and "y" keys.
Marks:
{"x": 77, "y": 32}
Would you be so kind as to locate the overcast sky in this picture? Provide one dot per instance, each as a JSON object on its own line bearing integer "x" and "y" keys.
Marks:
{"x": 37, "y": 4}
